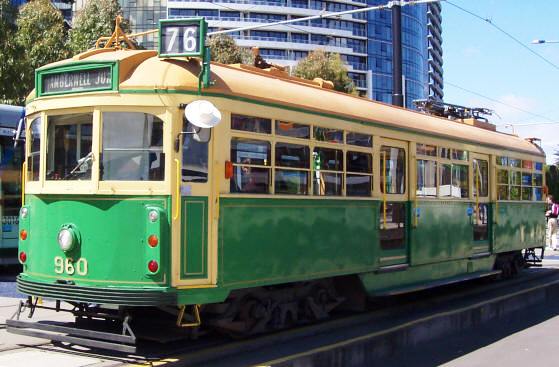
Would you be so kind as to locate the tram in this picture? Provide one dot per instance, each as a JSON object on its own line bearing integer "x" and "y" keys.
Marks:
{"x": 11, "y": 160}
{"x": 251, "y": 200}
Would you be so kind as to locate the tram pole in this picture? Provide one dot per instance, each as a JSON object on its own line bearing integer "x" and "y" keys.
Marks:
{"x": 397, "y": 96}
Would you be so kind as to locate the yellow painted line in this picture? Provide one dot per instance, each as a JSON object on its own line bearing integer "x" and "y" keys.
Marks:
{"x": 402, "y": 326}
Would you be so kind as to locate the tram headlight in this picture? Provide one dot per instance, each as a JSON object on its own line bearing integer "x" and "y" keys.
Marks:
{"x": 153, "y": 215}
{"x": 66, "y": 239}
{"x": 24, "y": 212}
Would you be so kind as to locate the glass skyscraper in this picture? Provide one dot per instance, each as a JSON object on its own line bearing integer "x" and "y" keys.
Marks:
{"x": 364, "y": 40}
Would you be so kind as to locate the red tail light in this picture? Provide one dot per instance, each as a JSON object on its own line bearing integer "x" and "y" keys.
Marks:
{"x": 153, "y": 266}
{"x": 153, "y": 240}
{"x": 23, "y": 234}
{"x": 22, "y": 257}
{"x": 228, "y": 169}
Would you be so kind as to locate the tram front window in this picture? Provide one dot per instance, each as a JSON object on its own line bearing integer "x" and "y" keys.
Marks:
{"x": 69, "y": 155}
{"x": 132, "y": 147}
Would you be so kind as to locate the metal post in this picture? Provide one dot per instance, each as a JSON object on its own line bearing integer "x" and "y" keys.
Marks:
{"x": 397, "y": 97}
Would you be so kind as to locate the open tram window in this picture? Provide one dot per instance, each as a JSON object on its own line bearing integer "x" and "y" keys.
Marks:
{"x": 328, "y": 135}
{"x": 328, "y": 167}
{"x": 194, "y": 156}
{"x": 454, "y": 181}
{"x": 293, "y": 130}
{"x": 33, "y": 160}
{"x": 251, "y": 166}
{"x": 426, "y": 178}
{"x": 132, "y": 147}
{"x": 393, "y": 180}
{"x": 69, "y": 155}
{"x": 393, "y": 227}
{"x": 292, "y": 169}
{"x": 251, "y": 123}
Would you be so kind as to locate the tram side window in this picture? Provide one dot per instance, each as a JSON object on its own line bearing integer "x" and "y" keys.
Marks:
{"x": 502, "y": 184}
{"x": 251, "y": 166}
{"x": 293, "y": 130}
{"x": 35, "y": 150}
{"x": 194, "y": 155}
{"x": 69, "y": 155}
{"x": 454, "y": 180}
{"x": 426, "y": 178}
{"x": 292, "y": 169}
{"x": 328, "y": 167}
{"x": 359, "y": 177}
{"x": 393, "y": 181}
{"x": 328, "y": 135}
{"x": 132, "y": 147}
{"x": 251, "y": 123}
{"x": 481, "y": 177}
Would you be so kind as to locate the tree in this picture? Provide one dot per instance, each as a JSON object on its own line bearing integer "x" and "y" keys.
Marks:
{"x": 41, "y": 36}
{"x": 552, "y": 180}
{"x": 10, "y": 73}
{"x": 224, "y": 50}
{"x": 96, "y": 19}
{"x": 328, "y": 66}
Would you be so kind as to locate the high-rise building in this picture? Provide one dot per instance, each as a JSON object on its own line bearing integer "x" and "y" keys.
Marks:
{"x": 364, "y": 40}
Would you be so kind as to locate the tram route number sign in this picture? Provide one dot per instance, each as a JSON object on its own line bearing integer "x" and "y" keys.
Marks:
{"x": 185, "y": 37}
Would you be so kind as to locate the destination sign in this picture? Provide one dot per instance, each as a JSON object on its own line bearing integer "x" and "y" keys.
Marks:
{"x": 182, "y": 37}
{"x": 77, "y": 81}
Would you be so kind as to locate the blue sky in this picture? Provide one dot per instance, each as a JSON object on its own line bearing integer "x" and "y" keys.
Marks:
{"x": 480, "y": 58}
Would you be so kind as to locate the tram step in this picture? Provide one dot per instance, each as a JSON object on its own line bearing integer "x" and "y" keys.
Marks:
{"x": 90, "y": 338}
{"x": 438, "y": 283}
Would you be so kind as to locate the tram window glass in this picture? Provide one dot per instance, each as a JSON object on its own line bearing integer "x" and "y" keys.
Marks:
{"x": 132, "y": 147}
{"x": 502, "y": 177}
{"x": 460, "y": 155}
{"x": 69, "y": 155}
{"x": 503, "y": 192}
{"x": 359, "y": 169}
{"x": 537, "y": 179}
{"x": 515, "y": 193}
{"x": 526, "y": 193}
{"x": 251, "y": 166}
{"x": 539, "y": 166}
{"x": 425, "y": 149}
{"x": 517, "y": 163}
{"x": 292, "y": 181}
{"x": 10, "y": 178}
{"x": 328, "y": 135}
{"x": 444, "y": 153}
{"x": 252, "y": 124}
{"x": 502, "y": 161}
{"x": 194, "y": 156}
{"x": 515, "y": 178}
{"x": 454, "y": 181}
{"x": 426, "y": 178}
{"x": 362, "y": 140}
{"x": 35, "y": 150}
{"x": 481, "y": 177}
{"x": 328, "y": 167}
{"x": 293, "y": 130}
{"x": 292, "y": 155}
{"x": 394, "y": 162}
{"x": 526, "y": 179}
{"x": 527, "y": 164}
{"x": 481, "y": 230}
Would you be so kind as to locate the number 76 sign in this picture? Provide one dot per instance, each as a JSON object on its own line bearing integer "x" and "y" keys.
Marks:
{"x": 182, "y": 37}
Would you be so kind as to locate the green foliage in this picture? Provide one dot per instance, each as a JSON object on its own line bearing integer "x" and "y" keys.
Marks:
{"x": 224, "y": 50}
{"x": 10, "y": 71}
{"x": 41, "y": 34}
{"x": 96, "y": 19}
{"x": 328, "y": 66}
{"x": 552, "y": 180}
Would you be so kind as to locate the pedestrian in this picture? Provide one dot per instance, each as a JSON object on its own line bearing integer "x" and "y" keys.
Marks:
{"x": 551, "y": 214}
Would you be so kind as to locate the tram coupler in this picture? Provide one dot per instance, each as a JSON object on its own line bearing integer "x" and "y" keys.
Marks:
{"x": 71, "y": 333}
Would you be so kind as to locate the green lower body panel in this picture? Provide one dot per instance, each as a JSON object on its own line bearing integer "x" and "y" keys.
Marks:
{"x": 519, "y": 226}
{"x": 423, "y": 274}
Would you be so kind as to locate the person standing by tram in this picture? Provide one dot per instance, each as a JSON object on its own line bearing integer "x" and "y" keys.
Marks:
{"x": 551, "y": 215}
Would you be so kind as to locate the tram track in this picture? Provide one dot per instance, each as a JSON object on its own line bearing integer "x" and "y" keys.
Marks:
{"x": 387, "y": 314}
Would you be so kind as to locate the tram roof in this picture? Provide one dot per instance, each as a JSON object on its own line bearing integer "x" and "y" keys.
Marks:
{"x": 10, "y": 115}
{"x": 141, "y": 70}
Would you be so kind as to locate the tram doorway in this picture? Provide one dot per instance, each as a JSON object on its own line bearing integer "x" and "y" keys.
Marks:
{"x": 394, "y": 211}
{"x": 480, "y": 215}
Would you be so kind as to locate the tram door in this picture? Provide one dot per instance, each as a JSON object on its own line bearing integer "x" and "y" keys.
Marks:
{"x": 195, "y": 184}
{"x": 480, "y": 213}
{"x": 393, "y": 211}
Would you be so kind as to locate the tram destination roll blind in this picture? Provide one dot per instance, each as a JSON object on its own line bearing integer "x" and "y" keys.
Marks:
{"x": 77, "y": 81}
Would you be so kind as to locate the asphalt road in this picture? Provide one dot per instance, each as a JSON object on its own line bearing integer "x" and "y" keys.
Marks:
{"x": 8, "y": 282}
